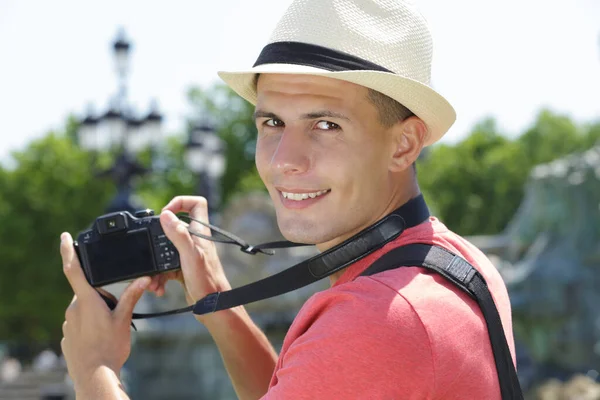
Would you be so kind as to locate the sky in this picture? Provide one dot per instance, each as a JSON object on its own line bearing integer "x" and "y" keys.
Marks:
{"x": 505, "y": 59}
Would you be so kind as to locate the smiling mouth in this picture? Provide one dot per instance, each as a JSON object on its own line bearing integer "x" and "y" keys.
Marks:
{"x": 303, "y": 196}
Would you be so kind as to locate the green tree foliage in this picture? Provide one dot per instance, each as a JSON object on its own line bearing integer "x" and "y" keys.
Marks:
{"x": 50, "y": 190}
{"x": 476, "y": 185}
{"x": 592, "y": 136}
{"x": 169, "y": 177}
{"x": 550, "y": 137}
{"x": 468, "y": 184}
{"x": 233, "y": 118}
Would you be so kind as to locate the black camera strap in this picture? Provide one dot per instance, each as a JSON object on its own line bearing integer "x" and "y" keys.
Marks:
{"x": 411, "y": 214}
{"x": 463, "y": 275}
{"x": 230, "y": 238}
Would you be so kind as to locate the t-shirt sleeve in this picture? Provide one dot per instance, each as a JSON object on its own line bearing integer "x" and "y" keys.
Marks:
{"x": 361, "y": 340}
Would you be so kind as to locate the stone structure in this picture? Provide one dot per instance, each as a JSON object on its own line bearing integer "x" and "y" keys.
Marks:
{"x": 550, "y": 260}
{"x": 580, "y": 387}
{"x": 32, "y": 384}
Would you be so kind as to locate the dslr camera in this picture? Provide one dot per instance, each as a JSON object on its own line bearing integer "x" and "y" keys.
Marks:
{"x": 120, "y": 247}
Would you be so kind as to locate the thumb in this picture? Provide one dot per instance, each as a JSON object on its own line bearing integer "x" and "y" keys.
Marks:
{"x": 130, "y": 297}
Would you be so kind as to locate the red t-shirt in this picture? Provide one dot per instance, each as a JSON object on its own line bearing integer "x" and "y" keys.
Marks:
{"x": 406, "y": 333}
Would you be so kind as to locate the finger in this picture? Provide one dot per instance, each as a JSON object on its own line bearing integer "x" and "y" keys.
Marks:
{"x": 177, "y": 232}
{"x": 130, "y": 297}
{"x": 72, "y": 268}
{"x": 154, "y": 283}
{"x": 167, "y": 279}
{"x": 161, "y": 280}
{"x": 159, "y": 285}
{"x": 173, "y": 276}
{"x": 70, "y": 312}
{"x": 186, "y": 204}
{"x": 195, "y": 206}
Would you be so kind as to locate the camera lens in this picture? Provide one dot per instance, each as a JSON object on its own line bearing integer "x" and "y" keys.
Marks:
{"x": 111, "y": 223}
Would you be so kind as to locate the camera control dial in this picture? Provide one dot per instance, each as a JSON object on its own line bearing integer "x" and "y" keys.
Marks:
{"x": 144, "y": 213}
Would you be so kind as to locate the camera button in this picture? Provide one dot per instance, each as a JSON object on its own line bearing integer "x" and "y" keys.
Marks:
{"x": 144, "y": 213}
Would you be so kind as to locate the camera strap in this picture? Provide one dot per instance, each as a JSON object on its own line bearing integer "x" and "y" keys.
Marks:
{"x": 411, "y": 214}
{"x": 230, "y": 238}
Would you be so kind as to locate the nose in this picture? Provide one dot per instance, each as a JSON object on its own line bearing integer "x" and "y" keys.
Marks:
{"x": 291, "y": 156}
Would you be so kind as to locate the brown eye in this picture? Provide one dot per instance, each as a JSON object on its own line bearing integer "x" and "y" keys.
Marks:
{"x": 327, "y": 126}
{"x": 275, "y": 123}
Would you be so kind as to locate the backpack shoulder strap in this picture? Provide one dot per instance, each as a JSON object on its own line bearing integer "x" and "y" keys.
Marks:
{"x": 462, "y": 274}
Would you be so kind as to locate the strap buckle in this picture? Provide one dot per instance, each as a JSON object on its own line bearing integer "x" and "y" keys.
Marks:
{"x": 249, "y": 249}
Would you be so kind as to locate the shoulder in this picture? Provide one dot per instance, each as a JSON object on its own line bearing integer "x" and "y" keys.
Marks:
{"x": 371, "y": 317}
{"x": 362, "y": 333}
{"x": 368, "y": 299}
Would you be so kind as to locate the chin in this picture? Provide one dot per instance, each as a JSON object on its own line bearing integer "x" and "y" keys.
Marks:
{"x": 299, "y": 230}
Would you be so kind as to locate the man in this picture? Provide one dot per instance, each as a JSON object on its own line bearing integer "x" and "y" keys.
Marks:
{"x": 343, "y": 109}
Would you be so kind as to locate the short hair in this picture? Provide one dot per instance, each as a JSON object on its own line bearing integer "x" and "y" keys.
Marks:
{"x": 390, "y": 111}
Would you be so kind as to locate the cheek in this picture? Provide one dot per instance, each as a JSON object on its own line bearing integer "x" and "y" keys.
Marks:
{"x": 262, "y": 158}
{"x": 366, "y": 170}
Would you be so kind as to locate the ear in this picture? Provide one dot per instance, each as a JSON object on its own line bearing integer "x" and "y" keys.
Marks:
{"x": 409, "y": 137}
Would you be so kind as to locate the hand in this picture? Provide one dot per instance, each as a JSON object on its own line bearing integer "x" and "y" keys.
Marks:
{"x": 94, "y": 336}
{"x": 201, "y": 271}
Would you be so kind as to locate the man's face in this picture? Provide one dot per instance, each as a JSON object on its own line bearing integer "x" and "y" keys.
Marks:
{"x": 323, "y": 156}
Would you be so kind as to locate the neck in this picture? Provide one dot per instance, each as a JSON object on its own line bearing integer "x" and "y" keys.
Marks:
{"x": 392, "y": 205}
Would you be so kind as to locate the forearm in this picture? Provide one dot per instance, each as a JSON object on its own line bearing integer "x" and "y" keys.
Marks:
{"x": 247, "y": 354}
{"x": 103, "y": 384}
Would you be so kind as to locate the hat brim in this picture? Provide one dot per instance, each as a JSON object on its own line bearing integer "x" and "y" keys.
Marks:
{"x": 431, "y": 107}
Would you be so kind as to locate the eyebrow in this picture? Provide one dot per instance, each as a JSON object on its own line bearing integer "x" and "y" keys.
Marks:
{"x": 311, "y": 115}
{"x": 263, "y": 114}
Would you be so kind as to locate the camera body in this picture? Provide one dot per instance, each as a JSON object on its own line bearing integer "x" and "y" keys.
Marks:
{"x": 120, "y": 247}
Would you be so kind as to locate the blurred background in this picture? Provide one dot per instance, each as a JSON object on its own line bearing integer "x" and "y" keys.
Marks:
{"x": 117, "y": 106}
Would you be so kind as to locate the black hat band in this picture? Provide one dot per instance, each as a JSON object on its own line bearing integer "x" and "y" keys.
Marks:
{"x": 314, "y": 56}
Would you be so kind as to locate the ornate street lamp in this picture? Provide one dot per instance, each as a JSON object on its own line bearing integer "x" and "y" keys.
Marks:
{"x": 205, "y": 156}
{"x": 120, "y": 131}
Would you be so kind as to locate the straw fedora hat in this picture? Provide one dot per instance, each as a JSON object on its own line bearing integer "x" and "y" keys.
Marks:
{"x": 384, "y": 45}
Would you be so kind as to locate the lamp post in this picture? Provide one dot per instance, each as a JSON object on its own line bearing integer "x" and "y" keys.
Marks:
{"x": 205, "y": 157}
{"x": 120, "y": 131}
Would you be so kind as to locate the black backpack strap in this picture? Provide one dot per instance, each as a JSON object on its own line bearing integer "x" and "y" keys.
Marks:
{"x": 457, "y": 270}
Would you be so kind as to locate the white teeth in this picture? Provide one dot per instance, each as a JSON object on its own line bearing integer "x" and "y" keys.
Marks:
{"x": 303, "y": 196}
